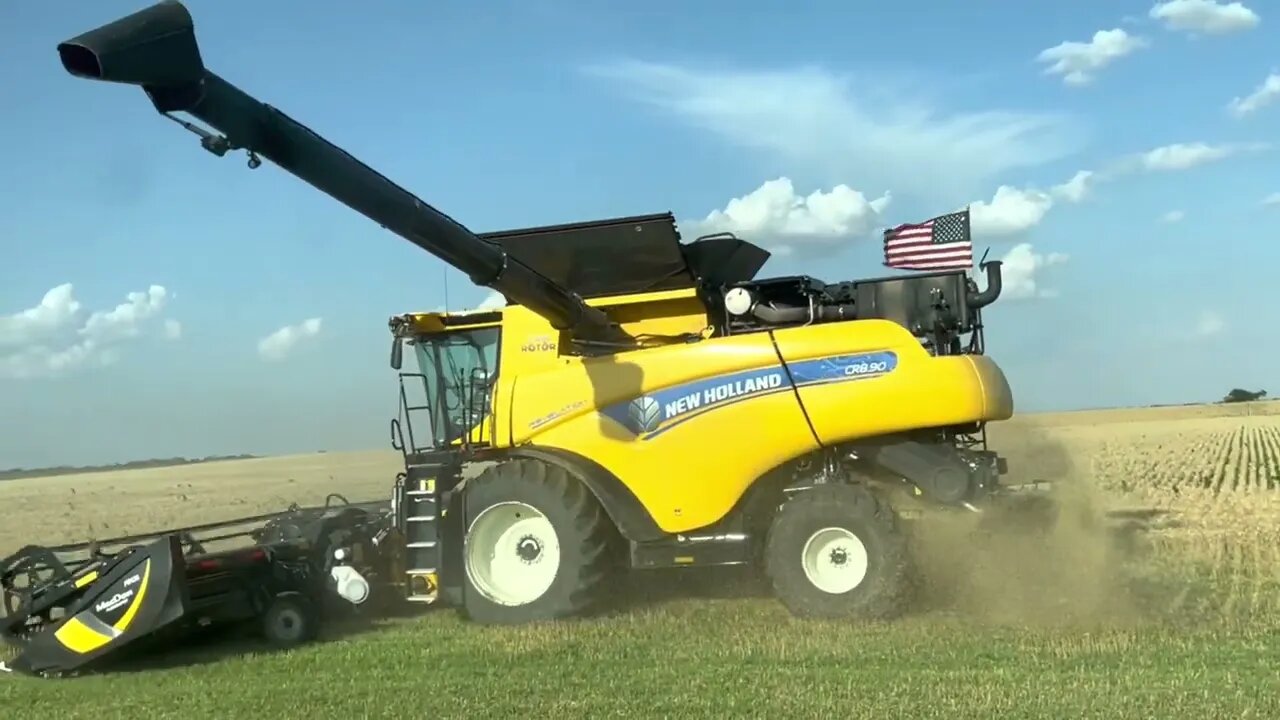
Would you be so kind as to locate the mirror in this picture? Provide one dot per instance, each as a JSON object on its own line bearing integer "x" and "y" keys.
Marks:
{"x": 397, "y": 353}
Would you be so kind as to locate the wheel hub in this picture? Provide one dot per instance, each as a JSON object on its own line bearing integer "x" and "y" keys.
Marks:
{"x": 834, "y": 560}
{"x": 528, "y": 549}
{"x": 287, "y": 623}
{"x": 512, "y": 553}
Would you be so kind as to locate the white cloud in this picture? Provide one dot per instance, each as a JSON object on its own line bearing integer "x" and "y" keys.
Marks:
{"x": 867, "y": 129}
{"x": 172, "y": 329}
{"x": 1078, "y": 62}
{"x": 1021, "y": 272}
{"x": 1204, "y": 325}
{"x": 1173, "y": 216}
{"x": 776, "y": 217}
{"x": 1010, "y": 211}
{"x": 492, "y": 301}
{"x": 56, "y": 336}
{"x": 1183, "y": 156}
{"x": 1075, "y": 189}
{"x": 1013, "y": 211}
{"x": 780, "y": 219}
{"x": 1265, "y": 94}
{"x": 280, "y": 343}
{"x": 1204, "y": 16}
{"x": 56, "y": 310}
{"x": 1272, "y": 199}
{"x": 785, "y": 222}
{"x": 1209, "y": 324}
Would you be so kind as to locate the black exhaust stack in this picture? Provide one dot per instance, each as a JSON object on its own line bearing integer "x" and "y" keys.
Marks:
{"x": 156, "y": 49}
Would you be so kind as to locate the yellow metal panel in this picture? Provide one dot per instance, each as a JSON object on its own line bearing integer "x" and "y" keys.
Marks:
{"x": 722, "y": 412}
{"x": 80, "y": 638}
{"x": 648, "y": 297}
{"x": 686, "y": 427}
{"x": 882, "y": 380}
{"x": 530, "y": 346}
{"x": 426, "y": 323}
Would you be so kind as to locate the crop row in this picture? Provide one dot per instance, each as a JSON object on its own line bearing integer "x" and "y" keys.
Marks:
{"x": 1244, "y": 459}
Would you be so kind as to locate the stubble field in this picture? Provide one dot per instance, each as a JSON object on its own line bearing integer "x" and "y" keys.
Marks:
{"x": 1182, "y": 624}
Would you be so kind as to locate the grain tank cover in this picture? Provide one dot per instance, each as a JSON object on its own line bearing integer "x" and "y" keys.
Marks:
{"x": 624, "y": 255}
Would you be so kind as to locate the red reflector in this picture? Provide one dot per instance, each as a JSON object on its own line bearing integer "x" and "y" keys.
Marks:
{"x": 208, "y": 564}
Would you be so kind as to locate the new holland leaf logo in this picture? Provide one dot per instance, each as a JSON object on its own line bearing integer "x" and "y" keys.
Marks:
{"x": 644, "y": 414}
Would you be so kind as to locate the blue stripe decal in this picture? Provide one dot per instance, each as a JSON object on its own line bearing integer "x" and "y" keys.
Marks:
{"x": 843, "y": 367}
{"x": 648, "y": 416}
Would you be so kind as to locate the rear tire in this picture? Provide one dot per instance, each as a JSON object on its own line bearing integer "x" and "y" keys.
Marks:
{"x": 538, "y": 545}
{"x": 837, "y": 551}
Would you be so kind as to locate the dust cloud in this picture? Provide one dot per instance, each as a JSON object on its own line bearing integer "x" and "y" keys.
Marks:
{"x": 1039, "y": 561}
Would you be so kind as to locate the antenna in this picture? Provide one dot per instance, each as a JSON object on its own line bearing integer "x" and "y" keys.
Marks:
{"x": 444, "y": 270}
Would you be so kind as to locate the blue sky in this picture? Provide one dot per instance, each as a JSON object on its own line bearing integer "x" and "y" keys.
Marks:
{"x": 1115, "y": 172}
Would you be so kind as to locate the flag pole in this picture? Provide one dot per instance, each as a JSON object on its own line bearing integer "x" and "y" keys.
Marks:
{"x": 968, "y": 232}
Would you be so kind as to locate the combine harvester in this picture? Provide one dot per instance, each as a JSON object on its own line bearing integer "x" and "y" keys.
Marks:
{"x": 639, "y": 403}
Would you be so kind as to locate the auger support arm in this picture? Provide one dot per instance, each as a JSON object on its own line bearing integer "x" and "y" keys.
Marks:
{"x": 156, "y": 49}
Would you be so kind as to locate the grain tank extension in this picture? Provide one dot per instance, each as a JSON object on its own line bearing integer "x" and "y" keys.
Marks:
{"x": 639, "y": 402}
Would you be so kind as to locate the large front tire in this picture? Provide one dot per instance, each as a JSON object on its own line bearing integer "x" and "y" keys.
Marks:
{"x": 538, "y": 545}
{"x": 836, "y": 551}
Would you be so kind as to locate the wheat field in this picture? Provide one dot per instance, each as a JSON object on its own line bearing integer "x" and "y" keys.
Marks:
{"x": 1214, "y": 469}
{"x": 1216, "y": 466}
{"x": 1183, "y": 628}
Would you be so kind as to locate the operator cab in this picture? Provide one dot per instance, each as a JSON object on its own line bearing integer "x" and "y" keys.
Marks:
{"x": 447, "y": 400}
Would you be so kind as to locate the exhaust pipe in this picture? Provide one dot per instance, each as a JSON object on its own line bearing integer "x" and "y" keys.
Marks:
{"x": 156, "y": 49}
{"x": 994, "y": 286}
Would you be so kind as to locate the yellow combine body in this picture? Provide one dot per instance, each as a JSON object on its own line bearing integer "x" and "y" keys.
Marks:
{"x": 648, "y": 416}
{"x": 641, "y": 402}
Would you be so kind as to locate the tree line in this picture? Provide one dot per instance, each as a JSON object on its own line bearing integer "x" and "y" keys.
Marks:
{"x": 1239, "y": 395}
{"x": 17, "y": 473}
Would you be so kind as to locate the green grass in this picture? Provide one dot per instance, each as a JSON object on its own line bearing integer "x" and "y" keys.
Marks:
{"x": 708, "y": 657}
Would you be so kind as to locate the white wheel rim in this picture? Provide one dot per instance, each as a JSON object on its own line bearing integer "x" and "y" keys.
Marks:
{"x": 834, "y": 560}
{"x": 288, "y": 624}
{"x": 512, "y": 553}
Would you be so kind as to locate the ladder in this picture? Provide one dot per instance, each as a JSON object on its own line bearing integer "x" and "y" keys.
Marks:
{"x": 420, "y": 511}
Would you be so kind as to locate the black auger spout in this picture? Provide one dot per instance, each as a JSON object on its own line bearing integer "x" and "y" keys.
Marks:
{"x": 156, "y": 49}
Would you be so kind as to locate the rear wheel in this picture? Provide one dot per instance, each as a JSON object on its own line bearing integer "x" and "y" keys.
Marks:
{"x": 290, "y": 620}
{"x": 538, "y": 545}
{"x": 837, "y": 551}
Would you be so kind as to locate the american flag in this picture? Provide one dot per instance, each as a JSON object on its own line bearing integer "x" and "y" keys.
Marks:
{"x": 942, "y": 243}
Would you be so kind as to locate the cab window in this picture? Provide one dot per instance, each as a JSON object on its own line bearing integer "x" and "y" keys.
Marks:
{"x": 459, "y": 369}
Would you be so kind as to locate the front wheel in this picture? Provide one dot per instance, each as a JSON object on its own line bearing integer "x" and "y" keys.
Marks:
{"x": 837, "y": 551}
{"x": 538, "y": 544}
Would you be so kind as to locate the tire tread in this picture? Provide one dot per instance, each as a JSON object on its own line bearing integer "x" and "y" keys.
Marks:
{"x": 589, "y": 530}
{"x": 890, "y": 583}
